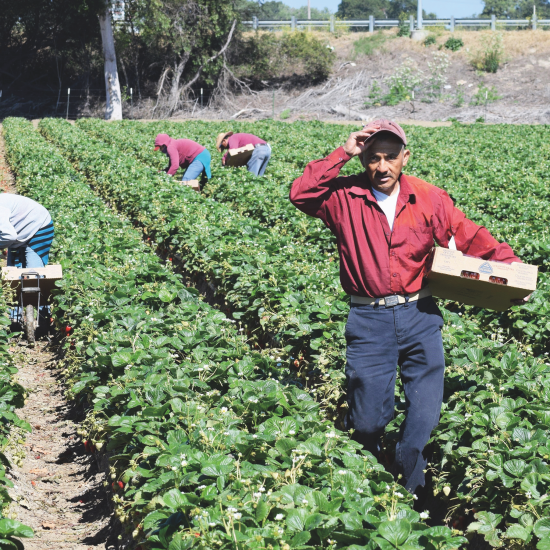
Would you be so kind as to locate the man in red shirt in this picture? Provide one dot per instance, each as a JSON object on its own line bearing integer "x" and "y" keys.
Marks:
{"x": 260, "y": 156}
{"x": 385, "y": 225}
{"x": 185, "y": 153}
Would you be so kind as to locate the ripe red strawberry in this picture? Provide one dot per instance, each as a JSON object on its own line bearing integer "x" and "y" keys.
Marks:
{"x": 296, "y": 363}
{"x": 121, "y": 485}
{"x": 68, "y": 329}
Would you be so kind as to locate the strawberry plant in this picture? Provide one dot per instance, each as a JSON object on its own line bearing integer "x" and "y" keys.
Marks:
{"x": 211, "y": 443}
{"x": 482, "y": 380}
{"x": 273, "y": 271}
{"x": 12, "y": 428}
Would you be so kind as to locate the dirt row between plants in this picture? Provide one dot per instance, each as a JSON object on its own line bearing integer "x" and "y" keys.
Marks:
{"x": 58, "y": 489}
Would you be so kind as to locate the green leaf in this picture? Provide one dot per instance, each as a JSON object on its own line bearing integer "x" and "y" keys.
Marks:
{"x": 396, "y": 531}
{"x": 121, "y": 358}
{"x": 10, "y": 544}
{"x": 299, "y": 539}
{"x": 516, "y": 468}
{"x": 14, "y": 527}
{"x": 542, "y": 528}
{"x": 313, "y": 521}
{"x": 178, "y": 543}
{"x": 176, "y": 500}
{"x": 166, "y": 296}
{"x": 262, "y": 510}
{"x": 518, "y": 532}
{"x": 295, "y": 519}
{"x": 218, "y": 469}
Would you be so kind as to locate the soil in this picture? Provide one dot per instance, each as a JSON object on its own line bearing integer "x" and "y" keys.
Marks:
{"x": 522, "y": 82}
{"x": 58, "y": 489}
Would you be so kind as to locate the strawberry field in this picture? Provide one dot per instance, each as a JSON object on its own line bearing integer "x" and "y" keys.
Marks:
{"x": 207, "y": 343}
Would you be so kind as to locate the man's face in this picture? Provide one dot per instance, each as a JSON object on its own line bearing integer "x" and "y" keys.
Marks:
{"x": 225, "y": 143}
{"x": 164, "y": 148}
{"x": 384, "y": 160}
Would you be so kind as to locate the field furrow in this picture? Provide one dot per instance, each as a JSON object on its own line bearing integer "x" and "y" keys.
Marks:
{"x": 207, "y": 446}
{"x": 488, "y": 471}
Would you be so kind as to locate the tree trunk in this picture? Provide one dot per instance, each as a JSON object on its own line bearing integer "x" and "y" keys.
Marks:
{"x": 175, "y": 89}
{"x": 113, "y": 108}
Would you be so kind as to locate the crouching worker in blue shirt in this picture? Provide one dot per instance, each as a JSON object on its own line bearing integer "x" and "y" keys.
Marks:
{"x": 26, "y": 230}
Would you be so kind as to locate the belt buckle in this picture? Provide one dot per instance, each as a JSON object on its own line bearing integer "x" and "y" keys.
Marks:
{"x": 391, "y": 301}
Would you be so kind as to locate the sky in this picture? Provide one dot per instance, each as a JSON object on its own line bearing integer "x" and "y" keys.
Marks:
{"x": 442, "y": 8}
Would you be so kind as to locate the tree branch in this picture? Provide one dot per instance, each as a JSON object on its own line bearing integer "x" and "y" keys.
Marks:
{"x": 213, "y": 58}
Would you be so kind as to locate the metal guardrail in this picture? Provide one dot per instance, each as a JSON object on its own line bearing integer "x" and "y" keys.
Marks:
{"x": 413, "y": 24}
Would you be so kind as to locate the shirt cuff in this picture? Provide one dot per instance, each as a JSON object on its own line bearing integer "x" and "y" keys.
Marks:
{"x": 339, "y": 156}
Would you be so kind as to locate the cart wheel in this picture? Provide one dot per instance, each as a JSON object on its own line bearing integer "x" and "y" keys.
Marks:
{"x": 29, "y": 323}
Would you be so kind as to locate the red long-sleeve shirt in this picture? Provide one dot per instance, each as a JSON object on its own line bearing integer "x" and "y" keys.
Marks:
{"x": 374, "y": 261}
{"x": 240, "y": 140}
{"x": 181, "y": 152}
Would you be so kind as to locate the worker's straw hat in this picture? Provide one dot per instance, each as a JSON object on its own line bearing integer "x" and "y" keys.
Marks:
{"x": 220, "y": 138}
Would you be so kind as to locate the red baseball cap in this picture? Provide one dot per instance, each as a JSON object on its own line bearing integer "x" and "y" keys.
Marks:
{"x": 160, "y": 140}
{"x": 387, "y": 126}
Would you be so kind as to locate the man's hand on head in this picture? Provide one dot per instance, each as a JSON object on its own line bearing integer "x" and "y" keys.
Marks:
{"x": 355, "y": 144}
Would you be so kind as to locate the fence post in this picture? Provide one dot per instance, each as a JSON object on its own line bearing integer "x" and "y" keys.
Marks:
{"x": 452, "y": 25}
{"x": 493, "y": 22}
{"x": 411, "y": 23}
{"x": 255, "y": 23}
{"x": 332, "y": 23}
{"x": 534, "y": 21}
{"x": 68, "y": 98}
{"x": 293, "y": 23}
{"x": 371, "y": 23}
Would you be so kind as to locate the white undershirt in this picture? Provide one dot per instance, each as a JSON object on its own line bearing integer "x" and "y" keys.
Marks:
{"x": 387, "y": 204}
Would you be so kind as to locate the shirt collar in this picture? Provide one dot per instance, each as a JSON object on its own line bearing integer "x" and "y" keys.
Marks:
{"x": 405, "y": 190}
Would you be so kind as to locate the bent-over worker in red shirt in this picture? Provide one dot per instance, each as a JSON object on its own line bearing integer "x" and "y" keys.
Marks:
{"x": 385, "y": 225}
{"x": 185, "y": 153}
{"x": 260, "y": 156}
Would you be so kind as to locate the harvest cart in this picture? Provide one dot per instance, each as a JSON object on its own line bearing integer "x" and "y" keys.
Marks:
{"x": 32, "y": 287}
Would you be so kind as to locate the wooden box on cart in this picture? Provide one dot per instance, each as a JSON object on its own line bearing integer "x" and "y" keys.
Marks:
{"x": 48, "y": 276}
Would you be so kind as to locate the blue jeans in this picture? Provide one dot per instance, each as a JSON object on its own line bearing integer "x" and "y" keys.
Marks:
{"x": 27, "y": 258}
{"x": 195, "y": 169}
{"x": 259, "y": 159}
{"x": 379, "y": 339}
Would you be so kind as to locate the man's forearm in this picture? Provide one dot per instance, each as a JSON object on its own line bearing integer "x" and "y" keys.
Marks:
{"x": 310, "y": 189}
{"x": 476, "y": 241}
